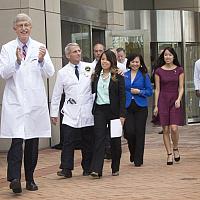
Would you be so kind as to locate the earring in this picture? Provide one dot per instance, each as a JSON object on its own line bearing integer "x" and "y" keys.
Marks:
{"x": 141, "y": 66}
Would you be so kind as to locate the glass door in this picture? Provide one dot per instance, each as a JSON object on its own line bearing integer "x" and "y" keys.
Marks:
{"x": 133, "y": 41}
{"x": 192, "y": 102}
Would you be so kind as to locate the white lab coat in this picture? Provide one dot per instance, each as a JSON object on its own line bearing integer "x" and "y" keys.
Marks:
{"x": 197, "y": 76}
{"x": 77, "y": 114}
{"x": 24, "y": 108}
{"x": 94, "y": 63}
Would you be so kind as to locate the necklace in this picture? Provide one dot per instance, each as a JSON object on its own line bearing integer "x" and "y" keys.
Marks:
{"x": 105, "y": 76}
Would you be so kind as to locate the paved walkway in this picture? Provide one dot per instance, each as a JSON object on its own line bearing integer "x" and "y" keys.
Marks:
{"x": 153, "y": 181}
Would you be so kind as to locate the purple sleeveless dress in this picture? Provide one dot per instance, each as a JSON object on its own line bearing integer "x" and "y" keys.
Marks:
{"x": 169, "y": 82}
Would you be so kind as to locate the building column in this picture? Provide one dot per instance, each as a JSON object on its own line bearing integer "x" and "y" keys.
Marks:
{"x": 115, "y": 10}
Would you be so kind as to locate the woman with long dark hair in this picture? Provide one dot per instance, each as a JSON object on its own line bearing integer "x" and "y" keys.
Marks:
{"x": 109, "y": 104}
{"x": 138, "y": 89}
{"x": 169, "y": 81}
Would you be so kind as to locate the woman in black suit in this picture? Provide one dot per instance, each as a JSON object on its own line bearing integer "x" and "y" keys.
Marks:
{"x": 109, "y": 103}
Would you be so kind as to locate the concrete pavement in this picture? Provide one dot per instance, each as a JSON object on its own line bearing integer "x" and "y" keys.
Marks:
{"x": 153, "y": 181}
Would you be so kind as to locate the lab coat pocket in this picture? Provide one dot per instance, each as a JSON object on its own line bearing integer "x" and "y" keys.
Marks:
{"x": 71, "y": 110}
{"x": 36, "y": 77}
{"x": 12, "y": 96}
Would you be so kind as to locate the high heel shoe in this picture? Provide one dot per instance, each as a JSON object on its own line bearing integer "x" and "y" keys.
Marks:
{"x": 169, "y": 159}
{"x": 95, "y": 175}
{"x": 176, "y": 155}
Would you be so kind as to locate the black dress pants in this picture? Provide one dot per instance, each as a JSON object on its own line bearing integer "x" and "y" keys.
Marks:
{"x": 71, "y": 136}
{"x": 135, "y": 126}
{"x": 15, "y": 155}
{"x": 102, "y": 118}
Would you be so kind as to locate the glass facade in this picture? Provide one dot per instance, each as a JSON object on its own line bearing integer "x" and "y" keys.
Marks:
{"x": 79, "y": 33}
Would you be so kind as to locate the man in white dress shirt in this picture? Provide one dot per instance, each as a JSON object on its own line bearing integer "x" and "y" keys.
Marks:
{"x": 24, "y": 63}
{"x": 75, "y": 80}
{"x": 97, "y": 51}
{"x": 121, "y": 59}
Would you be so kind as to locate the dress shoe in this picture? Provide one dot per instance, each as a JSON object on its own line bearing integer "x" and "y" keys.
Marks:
{"x": 138, "y": 165}
{"x": 176, "y": 155}
{"x": 65, "y": 173}
{"x": 95, "y": 175}
{"x": 86, "y": 173}
{"x": 115, "y": 173}
{"x": 31, "y": 186}
{"x": 170, "y": 159}
{"x": 57, "y": 146}
{"x": 15, "y": 185}
{"x": 107, "y": 156}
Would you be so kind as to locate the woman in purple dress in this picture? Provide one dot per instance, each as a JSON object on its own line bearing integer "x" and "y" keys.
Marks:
{"x": 169, "y": 81}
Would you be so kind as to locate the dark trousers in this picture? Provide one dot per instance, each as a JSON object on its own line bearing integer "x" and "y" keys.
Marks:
{"x": 71, "y": 136}
{"x": 101, "y": 122}
{"x": 135, "y": 125}
{"x": 61, "y": 118}
{"x": 15, "y": 155}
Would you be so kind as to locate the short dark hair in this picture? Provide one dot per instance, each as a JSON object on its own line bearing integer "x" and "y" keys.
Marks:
{"x": 120, "y": 49}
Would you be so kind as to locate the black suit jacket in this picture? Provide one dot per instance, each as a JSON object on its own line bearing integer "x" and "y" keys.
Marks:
{"x": 116, "y": 96}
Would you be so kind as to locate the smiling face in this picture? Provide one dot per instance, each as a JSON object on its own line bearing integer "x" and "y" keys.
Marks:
{"x": 168, "y": 57}
{"x": 135, "y": 64}
{"x": 23, "y": 30}
{"x": 105, "y": 63}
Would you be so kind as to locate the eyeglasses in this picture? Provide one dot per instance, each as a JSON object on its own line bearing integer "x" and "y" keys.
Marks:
{"x": 23, "y": 25}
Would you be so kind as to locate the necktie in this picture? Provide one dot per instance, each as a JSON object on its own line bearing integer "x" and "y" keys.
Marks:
{"x": 24, "y": 51}
{"x": 76, "y": 72}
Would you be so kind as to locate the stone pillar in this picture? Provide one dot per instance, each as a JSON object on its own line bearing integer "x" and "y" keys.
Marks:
{"x": 115, "y": 9}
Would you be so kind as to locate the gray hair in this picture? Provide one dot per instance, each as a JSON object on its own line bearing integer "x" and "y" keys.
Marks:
{"x": 22, "y": 17}
{"x": 68, "y": 47}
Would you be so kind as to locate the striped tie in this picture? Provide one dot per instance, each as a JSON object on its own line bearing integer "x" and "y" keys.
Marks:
{"x": 24, "y": 51}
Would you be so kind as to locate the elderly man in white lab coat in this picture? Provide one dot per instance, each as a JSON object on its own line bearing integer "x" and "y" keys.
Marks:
{"x": 25, "y": 117}
{"x": 75, "y": 79}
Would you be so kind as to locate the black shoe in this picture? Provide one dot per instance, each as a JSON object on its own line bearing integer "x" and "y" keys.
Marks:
{"x": 170, "y": 159}
{"x": 15, "y": 185}
{"x": 65, "y": 173}
{"x": 86, "y": 173}
{"x": 57, "y": 146}
{"x": 115, "y": 173}
{"x": 31, "y": 186}
{"x": 161, "y": 132}
{"x": 107, "y": 156}
{"x": 138, "y": 165}
{"x": 95, "y": 175}
{"x": 176, "y": 155}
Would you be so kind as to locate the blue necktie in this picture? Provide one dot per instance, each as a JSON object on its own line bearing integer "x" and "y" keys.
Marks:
{"x": 76, "y": 72}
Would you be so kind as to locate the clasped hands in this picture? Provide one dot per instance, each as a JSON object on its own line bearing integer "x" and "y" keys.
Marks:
{"x": 41, "y": 54}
